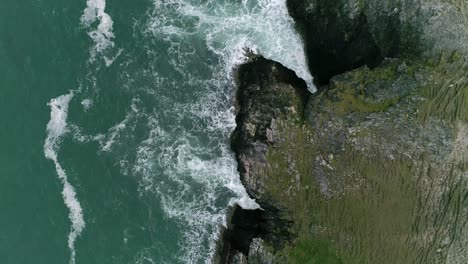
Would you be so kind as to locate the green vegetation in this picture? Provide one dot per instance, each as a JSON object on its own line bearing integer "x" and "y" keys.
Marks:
{"x": 354, "y": 202}
{"x": 350, "y": 102}
{"x": 348, "y": 93}
{"x": 313, "y": 252}
{"x": 447, "y": 94}
{"x": 367, "y": 222}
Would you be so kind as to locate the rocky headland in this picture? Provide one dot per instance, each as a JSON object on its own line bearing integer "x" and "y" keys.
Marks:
{"x": 373, "y": 168}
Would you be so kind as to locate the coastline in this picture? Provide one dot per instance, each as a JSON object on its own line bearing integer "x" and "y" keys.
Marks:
{"x": 351, "y": 174}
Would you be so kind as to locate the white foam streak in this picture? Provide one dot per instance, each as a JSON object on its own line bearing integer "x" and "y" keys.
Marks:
{"x": 185, "y": 159}
{"x": 56, "y": 128}
{"x": 102, "y": 36}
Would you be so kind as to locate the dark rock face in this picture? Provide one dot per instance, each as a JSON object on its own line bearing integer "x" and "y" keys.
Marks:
{"x": 242, "y": 228}
{"x": 335, "y": 42}
{"x": 246, "y": 231}
{"x": 267, "y": 91}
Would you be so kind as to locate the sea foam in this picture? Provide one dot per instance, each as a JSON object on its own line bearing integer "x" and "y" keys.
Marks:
{"x": 187, "y": 161}
{"x": 184, "y": 158}
{"x": 229, "y": 28}
{"x": 103, "y": 35}
{"x": 56, "y": 128}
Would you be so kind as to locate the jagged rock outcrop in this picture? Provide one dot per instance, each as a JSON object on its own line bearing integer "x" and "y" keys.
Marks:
{"x": 267, "y": 91}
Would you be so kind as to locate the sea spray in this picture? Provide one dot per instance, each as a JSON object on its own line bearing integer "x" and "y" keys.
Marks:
{"x": 56, "y": 128}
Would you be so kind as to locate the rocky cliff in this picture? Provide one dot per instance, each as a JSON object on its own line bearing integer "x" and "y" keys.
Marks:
{"x": 374, "y": 167}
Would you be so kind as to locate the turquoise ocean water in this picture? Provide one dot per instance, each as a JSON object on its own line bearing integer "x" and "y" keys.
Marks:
{"x": 115, "y": 123}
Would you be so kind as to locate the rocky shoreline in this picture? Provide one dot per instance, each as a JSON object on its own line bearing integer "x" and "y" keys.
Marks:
{"x": 266, "y": 90}
{"x": 374, "y": 167}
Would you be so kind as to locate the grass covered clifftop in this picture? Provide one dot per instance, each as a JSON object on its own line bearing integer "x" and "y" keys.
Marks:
{"x": 373, "y": 169}
{"x": 378, "y": 171}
